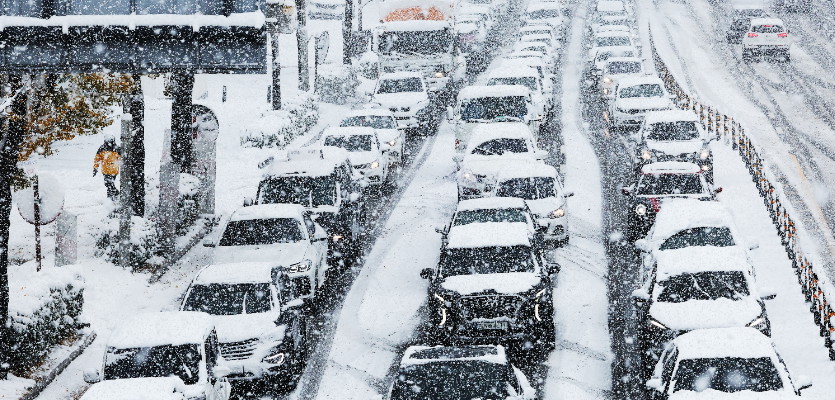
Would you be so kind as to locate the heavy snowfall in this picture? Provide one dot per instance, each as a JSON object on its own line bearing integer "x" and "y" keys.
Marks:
{"x": 417, "y": 199}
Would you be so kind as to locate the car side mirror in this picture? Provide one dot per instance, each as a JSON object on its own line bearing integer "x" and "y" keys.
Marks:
{"x": 426, "y": 273}
{"x": 249, "y": 201}
{"x": 553, "y": 267}
{"x": 441, "y": 230}
{"x": 803, "y": 382}
{"x": 643, "y": 245}
{"x": 541, "y": 154}
{"x": 450, "y": 114}
{"x": 654, "y": 384}
{"x": 568, "y": 194}
{"x": 626, "y": 190}
{"x": 221, "y": 371}
{"x": 92, "y": 376}
{"x": 640, "y": 295}
{"x": 717, "y": 190}
{"x": 767, "y": 293}
{"x": 209, "y": 243}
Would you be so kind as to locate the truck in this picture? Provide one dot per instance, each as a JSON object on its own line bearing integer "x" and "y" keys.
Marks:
{"x": 416, "y": 35}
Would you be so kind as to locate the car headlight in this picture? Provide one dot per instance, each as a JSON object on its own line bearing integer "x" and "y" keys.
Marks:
{"x": 277, "y": 357}
{"x": 654, "y": 323}
{"x": 704, "y": 154}
{"x": 469, "y": 176}
{"x": 607, "y": 80}
{"x": 537, "y": 297}
{"x": 646, "y": 155}
{"x": 705, "y": 167}
{"x": 374, "y": 165}
{"x": 442, "y": 311}
{"x": 336, "y": 238}
{"x": 439, "y": 74}
{"x": 303, "y": 266}
{"x": 758, "y": 323}
{"x": 558, "y": 213}
{"x": 641, "y": 209}
{"x": 605, "y": 90}
{"x": 392, "y": 142}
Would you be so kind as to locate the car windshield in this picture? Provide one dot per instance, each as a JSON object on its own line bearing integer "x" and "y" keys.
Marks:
{"x": 416, "y": 43}
{"x": 603, "y": 56}
{"x": 261, "y": 231}
{"x": 644, "y": 90}
{"x": 703, "y": 286}
{"x": 182, "y": 361}
{"x": 702, "y": 236}
{"x": 609, "y": 41}
{"x": 370, "y": 121}
{"x": 540, "y": 48}
{"x": 750, "y": 13}
{"x": 229, "y": 299}
{"x": 466, "y": 217}
{"x": 453, "y": 380}
{"x": 351, "y": 143}
{"x": 544, "y": 14}
{"x": 490, "y": 108}
{"x": 728, "y": 374}
{"x": 527, "y": 81}
{"x": 308, "y": 191}
{"x": 673, "y": 131}
{"x": 767, "y": 28}
{"x": 527, "y": 188}
{"x": 487, "y": 260}
{"x": 400, "y": 85}
{"x": 623, "y": 67}
{"x": 536, "y": 32}
{"x": 497, "y": 147}
{"x": 669, "y": 184}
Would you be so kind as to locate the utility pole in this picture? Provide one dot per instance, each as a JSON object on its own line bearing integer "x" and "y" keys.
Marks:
{"x": 137, "y": 147}
{"x": 126, "y": 183}
{"x": 301, "y": 39}
{"x": 275, "y": 20}
{"x": 347, "y": 32}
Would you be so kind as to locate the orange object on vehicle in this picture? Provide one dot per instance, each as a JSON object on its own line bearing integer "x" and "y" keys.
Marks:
{"x": 416, "y": 14}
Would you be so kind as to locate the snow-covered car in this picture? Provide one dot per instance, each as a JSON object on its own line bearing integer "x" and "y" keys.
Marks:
{"x": 674, "y": 135}
{"x": 483, "y": 12}
{"x": 479, "y": 105}
{"x": 634, "y": 97}
{"x": 766, "y": 36}
{"x": 541, "y": 29}
{"x": 491, "y": 286}
{"x": 697, "y": 287}
{"x": 260, "y": 312}
{"x": 616, "y": 8}
{"x": 391, "y": 138}
{"x": 546, "y": 14}
{"x": 547, "y": 78}
{"x": 604, "y": 40}
{"x": 471, "y": 32}
{"x": 461, "y": 372}
{"x": 326, "y": 9}
{"x": 541, "y": 38}
{"x": 168, "y": 388}
{"x": 661, "y": 181}
{"x": 598, "y": 59}
{"x": 547, "y": 52}
{"x": 539, "y": 185}
{"x": 283, "y": 234}
{"x": 494, "y": 209}
{"x": 492, "y": 149}
{"x": 529, "y": 78}
{"x": 320, "y": 179}
{"x": 181, "y": 344}
{"x": 364, "y": 151}
{"x": 723, "y": 363}
{"x": 601, "y": 21}
{"x": 407, "y": 96}
{"x": 617, "y": 68}
{"x": 740, "y": 21}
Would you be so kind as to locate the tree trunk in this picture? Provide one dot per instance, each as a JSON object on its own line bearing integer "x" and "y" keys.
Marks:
{"x": 347, "y": 29}
{"x": 181, "y": 119}
{"x": 301, "y": 39}
{"x": 137, "y": 110}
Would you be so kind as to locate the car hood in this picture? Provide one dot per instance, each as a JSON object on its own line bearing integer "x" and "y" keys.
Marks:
{"x": 703, "y": 314}
{"x": 543, "y": 207}
{"x": 505, "y": 283}
{"x": 403, "y": 99}
{"x": 362, "y": 157}
{"x": 387, "y": 135}
{"x": 466, "y": 28}
{"x": 236, "y": 328}
{"x": 162, "y": 388}
{"x": 282, "y": 253}
{"x": 644, "y": 103}
{"x": 675, "y": 147}
{"x": 492, "y": 165}
{"x": 712, "y": 394}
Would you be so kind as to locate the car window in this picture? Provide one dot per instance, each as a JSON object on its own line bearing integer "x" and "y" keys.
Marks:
{"x": 487, "y": 260}
{"x": 672, "y": 131}
{"x": 229, "y": 299}
{"x": 669, "y": 184}
{"x": 309, "y": 191}
{"x": 669, "y": 365}
{"x": 702, "y": 236}
{"x": 643, "y": 90}
{"x": 703, "y": 286}
{"x": 497, "y": 147}
{"x": 730, "y": 374}
{"x": 466, "y": 217}
{"x": 624, "y": 67}
{"x": 490, "y": 108}
{"x": 400, "y": 85}
{"x": 610, "y": 41}
{"x": 370, "y": 121}
{"x": 182, "y": 361}
{"x": 472, "y": 380}
{"x": 528, "y": 82}
{"x": 528, "y": 188}
{"x": 544, "y": 14}
{"x": 252, "y": 232}
{"x": 767, "y": 29}
{"x": 351, "y": 143}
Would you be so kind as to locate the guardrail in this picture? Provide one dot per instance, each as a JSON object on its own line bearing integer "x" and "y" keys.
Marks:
{"x": 816, "y": 288}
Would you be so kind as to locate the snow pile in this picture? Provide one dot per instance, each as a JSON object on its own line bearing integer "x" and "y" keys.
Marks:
{"x": 336, "y": 83}
{"x": 143, "y": 240}
{"x": 368, "y": 65}
{"x": 276, "y": 128}
{"x": 44, "y": 311}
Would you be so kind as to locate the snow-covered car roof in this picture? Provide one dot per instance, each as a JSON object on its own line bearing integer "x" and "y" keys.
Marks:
{"x": 525, "y": 45}
{"x": 490, "y": 203}
{"x": 162, "y": 328}
{"x": 766, "y": 21}
{"x": 640, "y": 80}
{"x": 528, "y": 170}
{"x": 534, "y": 37}
{"x": 416, "y": 355}
{"x": 478, "y": 91}
{"x": 375, "y": 111}
{"x": 614, "y": 28}
{"x": 525, "y": 54}
{"x": 162, "y": 388}
{"x": 612, "y": 18}
{"x": 239, "y": 272}
{"x": 401, "y": 75}
{"x": 263, "y": 211}
{"x": 610, "y": 5}
{"x": 517, "y": 72}
{"x": 544, "y": 6}
{"x": 498, "y": 130}
{"x": 488, "y": 234}
{"x": 670, "y": 167}
{"x": 526, "y": 62}
{"x": 724, "y": 342}
{"x": 624, "y": 59}
{"x": 469, "y": 8}
{"x": 533, "y": 28}
{"x": 695, "y": 259}
{"x": 613, "y": 34}
{"x": 616, "y": 50}
{"x": 309, "y": 161}
{"x": 348, "y": 131}
{"x": 679, "y": 214}
{"x": 655, "y": 117}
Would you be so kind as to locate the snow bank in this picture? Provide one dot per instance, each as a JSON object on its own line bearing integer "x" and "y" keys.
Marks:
{"x": 277, "y": 128}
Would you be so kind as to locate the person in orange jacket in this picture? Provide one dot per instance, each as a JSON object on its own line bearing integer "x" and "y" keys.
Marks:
{"x": 109, "y": 159}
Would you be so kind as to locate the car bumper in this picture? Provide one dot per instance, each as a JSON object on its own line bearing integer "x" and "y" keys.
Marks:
{"x": 765, "y": 48}
{"x": 556, "y": 229}
{"x": 374, "y": 176}
{"x": 618, "y": 118}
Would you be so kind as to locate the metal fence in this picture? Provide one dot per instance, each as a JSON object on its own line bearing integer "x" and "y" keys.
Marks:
{"x": 817, "y": 289}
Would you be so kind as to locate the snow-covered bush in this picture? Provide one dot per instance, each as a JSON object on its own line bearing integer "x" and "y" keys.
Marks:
{"x": 277, "y": 128}
{"x": 143, "y": 243}
{"x": 188, "y": 205}
{"x": 368, "y": 65}
{"x": 44, "y": 312}
{"x": 336, "y": 83}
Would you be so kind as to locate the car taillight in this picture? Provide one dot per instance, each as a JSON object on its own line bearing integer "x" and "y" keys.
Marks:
{"x": 784, "y": 34}
{"x": 752, "y": 34}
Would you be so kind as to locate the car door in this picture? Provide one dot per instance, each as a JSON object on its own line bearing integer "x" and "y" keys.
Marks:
{"x": 319, "y": 244}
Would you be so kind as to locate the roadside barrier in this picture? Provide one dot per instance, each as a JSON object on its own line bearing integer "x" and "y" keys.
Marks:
{"x": 813, "y": 282}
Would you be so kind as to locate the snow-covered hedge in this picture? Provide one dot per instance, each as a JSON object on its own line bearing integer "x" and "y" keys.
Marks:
{"x": 336, "y": 83}
{"x": 368, "y": 65}
{"x": 143, "y": 243}
{"x": 45, "y": 309}
{"x": 279, "y": 127}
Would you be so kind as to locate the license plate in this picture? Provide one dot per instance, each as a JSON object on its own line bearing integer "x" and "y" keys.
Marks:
{"x": 492, "y": 325}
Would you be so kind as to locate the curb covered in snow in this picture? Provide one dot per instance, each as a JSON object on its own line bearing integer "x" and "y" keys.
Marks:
{"x": 36, "y": 390}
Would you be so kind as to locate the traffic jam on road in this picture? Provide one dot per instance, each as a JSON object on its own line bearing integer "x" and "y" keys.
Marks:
{"x": 490, "y": 75}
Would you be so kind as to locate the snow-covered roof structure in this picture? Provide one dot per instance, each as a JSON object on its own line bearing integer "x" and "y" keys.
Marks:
{"x": 163, "y": 388}
{"x": 416, "y": 355}
{"x": 243, "y": 272}
{"x": 724, "y": 342}
{"x": 162, "y": 328}
{"x": 486, "y": 203}
{"x": 478, "y": 91}
{"x": 488, "y": 234}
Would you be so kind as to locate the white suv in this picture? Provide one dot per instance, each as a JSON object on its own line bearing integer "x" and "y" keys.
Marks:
{"x": 766, "y": 36}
